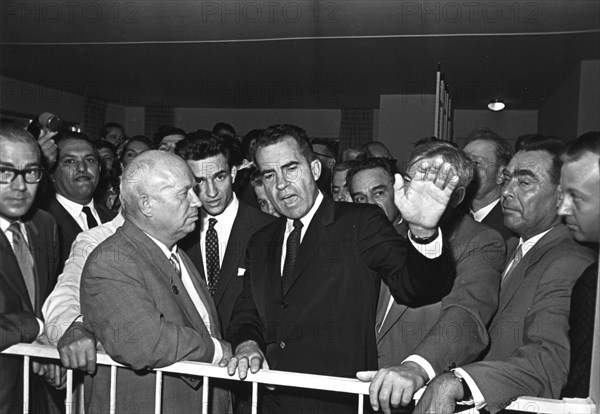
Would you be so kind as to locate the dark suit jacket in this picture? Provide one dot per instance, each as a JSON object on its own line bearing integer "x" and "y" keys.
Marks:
{"x": 68, "y": 229}
{"x": 495, "y": 219}
{"x": 128, "y": 302}
{"x": 247, "y": 221}
{"x": 451, "y": 332}
{"x": 529, "y": 341}
{"x": 17, "y": 314}
{"x": 581, "y": 333}
{"x": 325, "y": 322}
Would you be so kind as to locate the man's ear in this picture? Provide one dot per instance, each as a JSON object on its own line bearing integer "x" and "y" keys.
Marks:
{"x": 315, "y": 168}
{"x": 234, "y": 171}
{"x": 458, "y": 196}
{"x": 499, "y": 174}
{"x": 145, "y": 205}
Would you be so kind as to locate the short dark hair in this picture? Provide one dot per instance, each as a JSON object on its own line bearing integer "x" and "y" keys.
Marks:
{"x": 330, "y": 144}
{"x": 449, "y": 153}
{"x": 504, "y": 151}
{"x": 277, "y": 133}
{"x": 345, "y": 165}
{"x": 100, "y": 144}
{"x": 224, "y": 126}
{"x": 255, "y": 177}
{"x": 553, "y": 146}
{"x": 139, "y": 138}
{"x": 198, "y": 146}
{"x": 577, "y": 148}
{"x": 386, "y": 164}
{"x": 107, "y": 127}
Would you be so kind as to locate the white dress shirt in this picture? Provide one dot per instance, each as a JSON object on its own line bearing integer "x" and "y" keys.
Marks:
{"x": 76, "y": 211}
{"x": 62, "y": 307}
{"x": 222, "y": 227}
{"x": 191, "y": 290}
{"x": 478, "y": 399}
{"x": 484, "y": 211}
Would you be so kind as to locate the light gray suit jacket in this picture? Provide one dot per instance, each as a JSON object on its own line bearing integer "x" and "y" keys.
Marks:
{"x": 529, "y": 349}
{"x": 128, "y": 302}
{"x": 453, "y": 331}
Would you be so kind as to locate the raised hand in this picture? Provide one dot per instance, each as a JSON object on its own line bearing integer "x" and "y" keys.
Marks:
{"x": 423, "y": 200}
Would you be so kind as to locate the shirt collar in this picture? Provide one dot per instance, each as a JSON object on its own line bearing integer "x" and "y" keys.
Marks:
{"x": 4, "y": 224}
{"x": 532, "y": 241}
{"x": 227, "y": 216}
{"x": 73, "y": 208}
{"x": 163, "y": 247}
{"x": 309, "y": 216}
{"x": 484, "y": 211}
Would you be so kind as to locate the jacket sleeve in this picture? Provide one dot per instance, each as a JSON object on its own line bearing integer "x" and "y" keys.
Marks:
{"x": 414, "y": 280}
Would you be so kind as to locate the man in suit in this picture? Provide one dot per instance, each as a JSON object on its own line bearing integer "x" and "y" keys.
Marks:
{"x": 151, "y": 308}
{"x": 529, "y": 341}
{"x": 580, "y": 203}
{"x": 491, "y": 154}
{"x": 217, "y": 246}
{"x": 312, "y": 279}
{"x": 29, "y": 260}
{"x": 75, "y": 177}
{"x": 415, "y": 345}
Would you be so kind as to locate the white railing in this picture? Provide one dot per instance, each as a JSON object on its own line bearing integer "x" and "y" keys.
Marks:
{"x": 282, "y": 378}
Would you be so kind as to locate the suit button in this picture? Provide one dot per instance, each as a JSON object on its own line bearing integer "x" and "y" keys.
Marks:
{"x": 282, "y": 344}
{"x": 192, "y": 379}
{"x": 284, "y": 305}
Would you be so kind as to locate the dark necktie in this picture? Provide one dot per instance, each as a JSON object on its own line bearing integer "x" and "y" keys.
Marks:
{"x": 291, "y": 253}
{"x": 177, "y": 266}
{"x": 25, "y": 259}
{"x": 91, "y": 221}
{"x": 212, "y": 256}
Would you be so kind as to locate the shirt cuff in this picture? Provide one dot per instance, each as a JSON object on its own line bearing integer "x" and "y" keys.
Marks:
{"x": 41, "y": 332}
{"x": 423, "y": 363}
{"x": 218, "y": 355}
{"x": 478, "y": 399}
{"x": 431, "y": 250}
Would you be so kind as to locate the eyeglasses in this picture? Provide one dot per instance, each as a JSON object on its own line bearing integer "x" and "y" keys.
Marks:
{"x": 31, "y": 175}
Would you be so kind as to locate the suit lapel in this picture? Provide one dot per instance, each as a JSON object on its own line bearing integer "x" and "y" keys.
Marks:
{"x": 12, "y": 273}
{"x": 233, "y": 251}
{"x": 396, "y": 311}
{"x": 531, "y": 258}
{"x": 63, "y": 216}
{"x": 202, "y": 289}
{"x": 310, "y": 243}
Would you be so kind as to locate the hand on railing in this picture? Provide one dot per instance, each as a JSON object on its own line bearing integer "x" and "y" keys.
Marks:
{"x": 247, "y": 355}
{"x": 77, "y": 348}
{"x": 52, "y": 373}
{"x": 394, "y": 386}
{"x": 441, "y": 395}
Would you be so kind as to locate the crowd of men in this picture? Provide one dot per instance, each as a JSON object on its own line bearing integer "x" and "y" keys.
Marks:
{"x": 470, "y": 271}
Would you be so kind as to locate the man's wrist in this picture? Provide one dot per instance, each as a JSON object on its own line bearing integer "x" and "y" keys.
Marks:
{"x": 466, "y": 391}
{"x": 423, "y": 236}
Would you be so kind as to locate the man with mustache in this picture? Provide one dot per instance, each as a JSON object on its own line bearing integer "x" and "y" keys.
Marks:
{"x": 529, "y": 339}
{"x": 141, "y": 284}
{"x": 75, "y": 176}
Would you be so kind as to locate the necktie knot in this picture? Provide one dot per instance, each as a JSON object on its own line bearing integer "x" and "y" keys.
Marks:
{"x": 211, "y": 223}
{"x": 298, "y": 224}
{"x": 15, "y": 228}
{"x": 91, "y": 221}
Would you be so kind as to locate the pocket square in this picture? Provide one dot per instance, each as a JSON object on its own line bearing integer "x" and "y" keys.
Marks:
{"x": 241, "y": 271}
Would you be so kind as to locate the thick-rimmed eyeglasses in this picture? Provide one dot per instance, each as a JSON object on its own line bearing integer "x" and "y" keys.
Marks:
{"x": 31, "y": 175}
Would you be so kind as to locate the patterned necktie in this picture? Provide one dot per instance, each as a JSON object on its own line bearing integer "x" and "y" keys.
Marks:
{"x": 291, "y": 253}
{"x": 91, "y": 221}
{"x": 212, "y": 256}
{"x": 515, "y": 262}
{"x": 177, "y": 266}
{"x": 25, "y": 259}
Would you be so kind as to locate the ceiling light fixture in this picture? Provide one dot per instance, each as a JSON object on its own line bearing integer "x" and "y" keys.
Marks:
{"x": 496, "y": 105}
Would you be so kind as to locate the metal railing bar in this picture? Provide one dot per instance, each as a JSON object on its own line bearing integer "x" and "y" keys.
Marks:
{"x": 158, "y": 393}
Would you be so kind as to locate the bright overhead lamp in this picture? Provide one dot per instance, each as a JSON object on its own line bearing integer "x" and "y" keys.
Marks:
{"x": 496, "y": 105}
